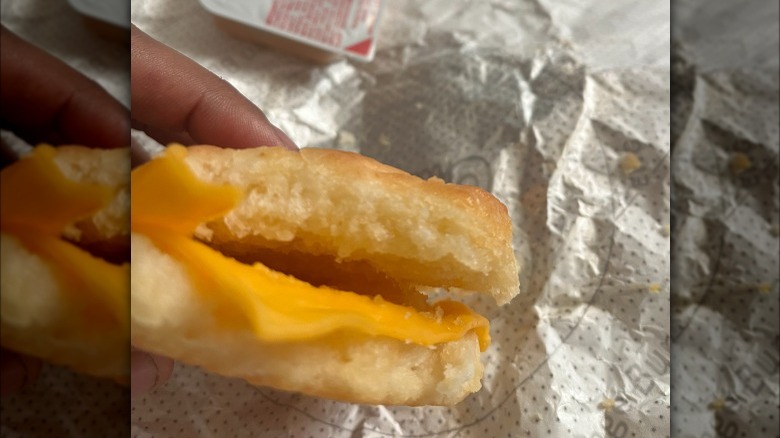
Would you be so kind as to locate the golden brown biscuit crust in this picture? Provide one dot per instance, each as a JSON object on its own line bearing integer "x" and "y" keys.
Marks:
{"x": 327, "y": 209}
{"x": 424, "y": 233}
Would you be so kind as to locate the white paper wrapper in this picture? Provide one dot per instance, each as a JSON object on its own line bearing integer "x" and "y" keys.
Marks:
{"x": 725, "y": 327}
{"x": 532, "y": 101}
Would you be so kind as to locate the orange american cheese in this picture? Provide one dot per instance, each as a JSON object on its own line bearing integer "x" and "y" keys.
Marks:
{"x": 169, "y": 202}
{"x": 38, "y": 202}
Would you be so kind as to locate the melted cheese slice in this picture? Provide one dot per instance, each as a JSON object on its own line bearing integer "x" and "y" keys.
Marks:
{"x": 38, "y": 202}
{"x": 169, "y": 202}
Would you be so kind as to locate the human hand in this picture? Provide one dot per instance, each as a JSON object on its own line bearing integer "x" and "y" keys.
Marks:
{"x": 17, "y": 371}
{"x": 174, "y": 99}
{"x": 45, "y": 100}
{"x": 147, "y": 371}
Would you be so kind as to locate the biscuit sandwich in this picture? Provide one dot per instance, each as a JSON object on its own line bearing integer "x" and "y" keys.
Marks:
{"x": 308, "y": 272}
{"x": 64, "y": 271}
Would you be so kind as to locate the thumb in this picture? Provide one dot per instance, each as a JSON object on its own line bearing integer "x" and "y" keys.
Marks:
{"x": 17, "y": 371}
{"x": 148, "y": 371}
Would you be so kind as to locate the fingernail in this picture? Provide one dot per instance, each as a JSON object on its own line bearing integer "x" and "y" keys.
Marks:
{"x": 14, "y": 373}
{"x": 138, "y": 155}
{"x": 143, "y": 373}
{"x": 286, "y": 141}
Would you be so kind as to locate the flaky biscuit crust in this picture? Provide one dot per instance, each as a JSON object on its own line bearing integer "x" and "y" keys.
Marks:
{"x": 349, "y": 215}
{"x": 423, "y": 233}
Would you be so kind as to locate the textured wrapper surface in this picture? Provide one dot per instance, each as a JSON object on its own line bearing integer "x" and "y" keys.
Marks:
{"x": 567, "y": 123}
{"x": 562, "y": 111}
{"x": 726, "y": 210}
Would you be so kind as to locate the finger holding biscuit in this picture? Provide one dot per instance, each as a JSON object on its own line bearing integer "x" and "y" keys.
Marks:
{"x": 174, "y": 99}
{"x": 17, "y": 371}
{"x": 46, "y": 100}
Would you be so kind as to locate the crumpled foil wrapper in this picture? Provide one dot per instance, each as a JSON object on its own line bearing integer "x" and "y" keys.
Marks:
{"x": 562, "y": 111}
{"x": 726, "y": 216}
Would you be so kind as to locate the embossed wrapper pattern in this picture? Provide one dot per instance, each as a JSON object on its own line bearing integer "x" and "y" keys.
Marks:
{"x": 562, "y": 111}
{"x": 61, "y": 402}
{"x": 725, "y": 325}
